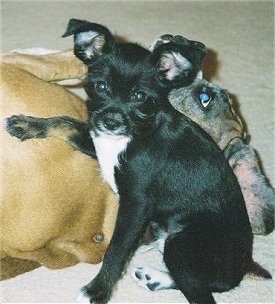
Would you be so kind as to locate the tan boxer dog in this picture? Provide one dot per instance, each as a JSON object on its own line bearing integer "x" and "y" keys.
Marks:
{"x": 55, "y": 209}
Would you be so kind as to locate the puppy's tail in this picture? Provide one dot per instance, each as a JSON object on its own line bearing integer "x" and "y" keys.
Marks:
{"x": 254, "y": 269}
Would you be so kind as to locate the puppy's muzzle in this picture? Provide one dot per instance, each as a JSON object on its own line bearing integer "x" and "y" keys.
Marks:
{"x": 111, "y": 121}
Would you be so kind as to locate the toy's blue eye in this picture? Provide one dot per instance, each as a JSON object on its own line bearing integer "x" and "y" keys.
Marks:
{"x": 205, "y": 98}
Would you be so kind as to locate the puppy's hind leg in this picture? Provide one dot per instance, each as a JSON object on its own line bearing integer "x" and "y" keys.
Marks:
{"x": 187, "y": 267}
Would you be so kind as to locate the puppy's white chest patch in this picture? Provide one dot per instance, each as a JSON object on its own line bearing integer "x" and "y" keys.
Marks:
{"x": 108, "y": 148}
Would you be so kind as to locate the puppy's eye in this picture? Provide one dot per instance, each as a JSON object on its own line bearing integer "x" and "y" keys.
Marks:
{"x": 139, "y": 96}
{"x": 205, "y": 96}
{"x": 101, "y": 87}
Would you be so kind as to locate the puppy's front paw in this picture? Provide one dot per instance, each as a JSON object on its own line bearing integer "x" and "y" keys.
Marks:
{"x": 95, "y": 292}
{"x": 24, "y": 127}
{"x": 153, "y": 279}
{"x": 82, "y": 298}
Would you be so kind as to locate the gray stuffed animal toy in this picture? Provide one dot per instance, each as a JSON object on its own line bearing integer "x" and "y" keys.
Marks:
{"x": 221, "y": 122}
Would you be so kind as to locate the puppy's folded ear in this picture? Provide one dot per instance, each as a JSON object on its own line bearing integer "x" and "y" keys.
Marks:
{"x": 178, "y": 59}
{"x": 90, "y": 39}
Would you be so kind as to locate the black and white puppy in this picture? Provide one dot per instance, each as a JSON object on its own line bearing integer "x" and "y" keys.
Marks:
{"x": 163, "y": 167}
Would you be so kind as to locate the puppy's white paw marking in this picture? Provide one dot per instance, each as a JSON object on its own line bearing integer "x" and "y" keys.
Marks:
{"x": 5, "y": 123}
{"x": 153, "y": 279}
{"x": 82, "y": 298}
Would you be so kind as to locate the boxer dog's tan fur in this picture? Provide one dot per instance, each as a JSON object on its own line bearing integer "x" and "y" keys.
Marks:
{"x": 55, "y": 209}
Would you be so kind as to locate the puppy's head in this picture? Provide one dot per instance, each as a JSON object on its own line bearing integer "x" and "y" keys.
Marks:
{"x": 126, "y": 83}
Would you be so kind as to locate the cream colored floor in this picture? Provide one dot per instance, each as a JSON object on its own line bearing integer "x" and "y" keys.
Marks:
{"x": 240, "y": 37}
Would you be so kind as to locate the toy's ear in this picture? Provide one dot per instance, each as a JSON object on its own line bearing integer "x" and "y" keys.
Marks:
{"x": 178, "y": 59}
{"x": 90, "y": 39}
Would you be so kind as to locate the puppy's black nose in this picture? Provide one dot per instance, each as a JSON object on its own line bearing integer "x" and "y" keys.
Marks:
{"x": 112, "y": 121}
{"x": 111, "y": 124}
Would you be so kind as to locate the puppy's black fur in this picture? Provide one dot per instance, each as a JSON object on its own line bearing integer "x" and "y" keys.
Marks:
{"x": 168, "y": 169}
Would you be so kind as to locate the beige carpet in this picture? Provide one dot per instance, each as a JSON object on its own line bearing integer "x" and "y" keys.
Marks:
{"x": 240, "y": 36}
